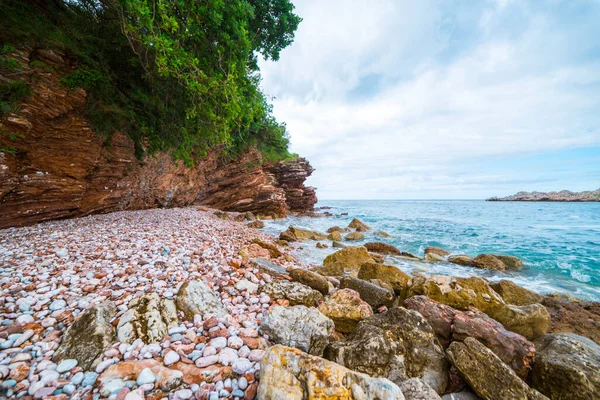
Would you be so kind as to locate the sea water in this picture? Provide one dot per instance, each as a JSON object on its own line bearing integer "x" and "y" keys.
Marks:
{"x": 558, "y": 242}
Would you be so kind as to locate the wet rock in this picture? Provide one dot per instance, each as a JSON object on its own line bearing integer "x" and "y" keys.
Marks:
{"x": 311, "y": 279}
{"x": 398, "y": 344}
{"x": 567, "y": 367}
{"x": 382, "y": 234}
{"x": 256, "y": 224}
{"x": 338, "y": 244}
{"x": 253, "y": 251}
{"x": 298, "y": 234}
{"x": 387, "y": 273}
{"x": 288, "y": 373}
{"x": 374, "y": 295}
{"x": 351, "y": 258}
{"x": 354, "y": 236}
{"x": 486, "y": 374}
{"x": 416, "y": 389}
{"x": 273, "y": 250}
{"x": 436, "y": 250}
{"x": 511, "y": 262}
{"x": 336, "y": 229}
{"x": 195, "y": 298}
{"x": 149, "y": 318}
{"x": 87, "y": 338}
{"x": 299, "y": 326}
{"x": 488, "y": 261}
{"x": 335, "y": 236}
{"x": 387, "y": 249}
{"x": 346, "y": 309}
{"x": 359, "y": 225}
{"x": 515, "y": 294}
{"x": 433, "y": 257}
{"x": 295, "y": 292}
{"x": 463, "y": 260}
{"x": 532, "y": 321}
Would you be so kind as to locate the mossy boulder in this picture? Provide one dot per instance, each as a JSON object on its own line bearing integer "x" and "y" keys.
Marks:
{"x": 515, "y": 294}
{"x": 311, "y": 279}
{"x": 335, "y": 236}
{"x": 489, "y": 261}
{"x": 461, "y": 259}
{"x": 295, "y": 292}
{"x": 387, "y": 273}
{"x": 511, "y": 262}
{"x": 346, "y": 309}
{"x": 293, "y": 234}
{"x": 354, "y": 236}
{"x": 375, "y": 295}
{"x": 351, "y": 257}
{"x": 531, "y": 321}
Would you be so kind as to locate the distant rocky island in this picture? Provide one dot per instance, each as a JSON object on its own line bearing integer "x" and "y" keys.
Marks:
{"x": 563, "y": 195}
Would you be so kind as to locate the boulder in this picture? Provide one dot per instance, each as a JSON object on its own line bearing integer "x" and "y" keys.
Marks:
{"x": 148, "y": 318}
{"x": 332, "y": 269}
{"x": 195, "y": 298}
{"x": 436, "y": 250}
{"x": 511, "y": 262}
{"x": 295, "y": 292}
{"x": 267, "y": 267}
{"x": 515, "y": 294}
{"x": 463, "y": 260}
{"x": 433, "y": 257}
{"x": 416, "y": 389}
{"x": 89, "y": 336}
{"x": 304, "y": 234}
{"x": 252, "y": 251}
{"x": 488, "y": 261}
{"x": 354, "y": 236}
{"x": 346, "y": 309}
{"x": 398, "y": 344}
{"x": 439, "y": 316}
{"x": 375, "y": 295}
{"x": 567, "y": 367}
{"x": 274, "y": 251}
{"x": 299, "y": 326}
{"x": 336, "y": 229}
{"x": 256, "y": 224}
{"x": 288, "y": 236}
{"x": 335, "y": 236}
{"x": 290, "y": 374}
{"x": 338, "y": 245}
{"x": 382, "y": 234}
{"x": 532, "y": 321}
{"x": 387, "y": 273}
{"x": 311, "y": 279}
{"x": 359, "y": 225}
{"x": 387, "y": 249}
{"x": 486, "y": 374}
{"x": 351, "y": 257}
{"x": 579, "y": 317}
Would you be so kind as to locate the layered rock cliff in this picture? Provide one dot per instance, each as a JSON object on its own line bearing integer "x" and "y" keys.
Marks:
{"x": 54, "y": 165}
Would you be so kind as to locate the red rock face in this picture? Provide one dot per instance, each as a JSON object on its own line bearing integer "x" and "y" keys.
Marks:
{"x": 62, "y": 169}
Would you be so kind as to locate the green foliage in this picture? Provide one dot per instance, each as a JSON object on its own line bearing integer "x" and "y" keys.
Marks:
{"x": 182, "y": 73}
{"x": 11, "y": 94}
{"x": 9, "y": 150}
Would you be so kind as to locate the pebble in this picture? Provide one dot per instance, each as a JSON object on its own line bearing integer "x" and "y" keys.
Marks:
{"x": 66, "y": 365}
{"x": 241, "y": 366}
{"x": 145, "y": 377}
{"x": 171, "y": 358}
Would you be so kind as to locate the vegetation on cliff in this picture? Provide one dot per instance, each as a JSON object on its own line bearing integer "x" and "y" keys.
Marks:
{"x": 181, "y": 73}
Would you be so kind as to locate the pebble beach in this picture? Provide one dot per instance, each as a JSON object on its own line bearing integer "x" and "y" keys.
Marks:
{"x": 52, "y": 272}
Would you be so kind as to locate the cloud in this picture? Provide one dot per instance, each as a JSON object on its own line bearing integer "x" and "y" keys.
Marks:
{"x": 394, "y": 99}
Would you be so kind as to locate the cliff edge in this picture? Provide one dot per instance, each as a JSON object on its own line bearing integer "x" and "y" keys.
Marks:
{"x": 52, "y": 164}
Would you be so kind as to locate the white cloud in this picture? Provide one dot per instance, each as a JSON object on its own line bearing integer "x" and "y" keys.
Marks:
{"x": 412, "y": 99}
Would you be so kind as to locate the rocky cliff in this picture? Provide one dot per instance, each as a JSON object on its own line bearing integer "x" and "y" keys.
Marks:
{"x": 563, "y": 195}
{"x": 52, "y": 164}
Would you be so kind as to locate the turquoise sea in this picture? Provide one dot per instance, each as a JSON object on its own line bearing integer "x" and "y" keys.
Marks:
{"x": 559, "y": 242}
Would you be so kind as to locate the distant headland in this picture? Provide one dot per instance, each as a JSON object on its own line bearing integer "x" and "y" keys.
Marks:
{"x": 563, "y": 195}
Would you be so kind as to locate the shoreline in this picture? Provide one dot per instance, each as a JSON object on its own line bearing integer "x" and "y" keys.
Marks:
{"x": 57, "y": 271}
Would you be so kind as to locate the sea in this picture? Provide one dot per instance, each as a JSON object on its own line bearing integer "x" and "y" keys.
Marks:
{"x": 559, "y": 243}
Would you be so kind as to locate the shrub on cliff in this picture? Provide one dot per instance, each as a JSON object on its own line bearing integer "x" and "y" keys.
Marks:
{"x": 182, "y": 73}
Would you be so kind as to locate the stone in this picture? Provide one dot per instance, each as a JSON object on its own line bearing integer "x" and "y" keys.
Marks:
{"x": 245, "y": 284}
{"x": 398, "y": 344}
{"x": 335, "y": 236}
{"x": 567, "y": 367}
{"x": 461, "y": 259}
{"x": 295, "y": 292}
{"x": 66, "y": 365}
{"x": 511, "y": 262}
{"x": 311, "y": 279}
{"x": 195, "y": 298}
{"x": 387, "y": 273}
{"x": 488, "y": 261}
{"x": 416, "y": 389}
{"x": 253, "y": 251}
{"x": 358, "y": 225}
{"x": 436, "y": 250}
{"x": 514, "y": 294}
{"x": 273, "y": 250}
{"x": 267, "y": 267}
{"x": 434, "y": 257}
{"x": 354, "y": 236}
{"x": 351, "y": 258}
{"x": 579, "y": 317}
{"x": 145, "y": 376}
{"x": 297, "y": 234}
{"x": 338, "y": 244}
{"x": 166, "y": 379}
{"x": 256, "y": 224}
{"x": 374, "y": 295}
{"x": 290, "y": 374}
{"x": 170, "y": 358}
{"x": 299, "y": 326}
{"x": 532, "y": 321}
{"x": 148, "y": 318}
{"x": 387, "y": 249}
{"x": 89, "y": 335}
{"x": 486, "y": 374}
{"x": 346, "y": 310}
{"x": 382, "y": 234}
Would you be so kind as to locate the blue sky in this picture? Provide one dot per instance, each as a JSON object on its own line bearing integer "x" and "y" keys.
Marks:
{"x": 442, "y": 99}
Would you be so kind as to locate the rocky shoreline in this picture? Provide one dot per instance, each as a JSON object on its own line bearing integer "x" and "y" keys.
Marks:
{"x": 192, "y": 303}
{"x": 562, "y": 196}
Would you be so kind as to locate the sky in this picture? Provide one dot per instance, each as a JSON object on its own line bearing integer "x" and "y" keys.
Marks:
{"x": 435, "y": 99}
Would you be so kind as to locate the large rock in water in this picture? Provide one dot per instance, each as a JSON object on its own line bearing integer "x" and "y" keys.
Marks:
{"x": 359, "y": 225}
{"x": 148, "y": 318}
{"x": 461, "y": 259}
{"x": 89, "y": 336}
{"x": 511, "y": 262}
{"x": 488, "y": 261}
{"x": 346, "y": 309}
{"x": 387, "y": 273}
{"x": 515, "y": 294}
{"x": 486, "y": 374}
{"x": 293, "y": 234}
{"x": 299, "y": 326}
{"x": 398, "y": 344}
{"x": 350, "y": 258}
{"x": 295, "y": 292}
{"x": 311, "y": 279}
{"x": 289, "y": 374}
{"x": 354, "y": 236}
{"x": 384, "y": 248}
{"x": 567, "y": 366}
{"x": 374, "y": 295}
{"x": 195, "y": 298}
{"x": 450, "y": 324}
